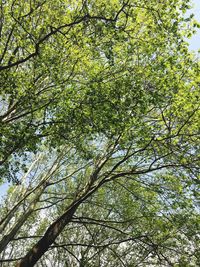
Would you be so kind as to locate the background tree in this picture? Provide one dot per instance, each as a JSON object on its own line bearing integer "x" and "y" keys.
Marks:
{"x": 135, "y": 218}
{"x": 99, "y": 111}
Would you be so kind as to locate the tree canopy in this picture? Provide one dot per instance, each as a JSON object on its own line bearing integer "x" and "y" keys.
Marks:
{"x": 99, "y": 133}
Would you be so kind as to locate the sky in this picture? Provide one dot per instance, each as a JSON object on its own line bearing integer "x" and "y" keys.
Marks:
{"x": 194, "y": 45}
{"x": 195, "y": 40}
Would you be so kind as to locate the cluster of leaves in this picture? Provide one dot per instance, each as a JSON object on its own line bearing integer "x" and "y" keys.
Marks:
{"x": 74, "y": 69}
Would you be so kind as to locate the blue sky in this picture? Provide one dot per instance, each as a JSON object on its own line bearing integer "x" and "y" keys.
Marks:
{"x": 195, "y": 40}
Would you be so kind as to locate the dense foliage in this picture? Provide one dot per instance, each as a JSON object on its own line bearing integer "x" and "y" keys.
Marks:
{"x": 99, "y": 125}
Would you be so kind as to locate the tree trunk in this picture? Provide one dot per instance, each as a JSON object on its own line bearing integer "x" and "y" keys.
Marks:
{"x": 49, "y": 237}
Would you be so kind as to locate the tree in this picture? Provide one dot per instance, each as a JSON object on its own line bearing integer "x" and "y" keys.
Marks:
{"x": 110, "y": 93}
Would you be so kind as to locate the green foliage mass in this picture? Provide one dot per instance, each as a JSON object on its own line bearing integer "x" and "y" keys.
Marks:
{"x": 107, "y": 93}
{"x": 71, "y": 70}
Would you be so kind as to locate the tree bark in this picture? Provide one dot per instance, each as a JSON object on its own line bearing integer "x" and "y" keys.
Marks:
{"x": 49, "y": 237}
